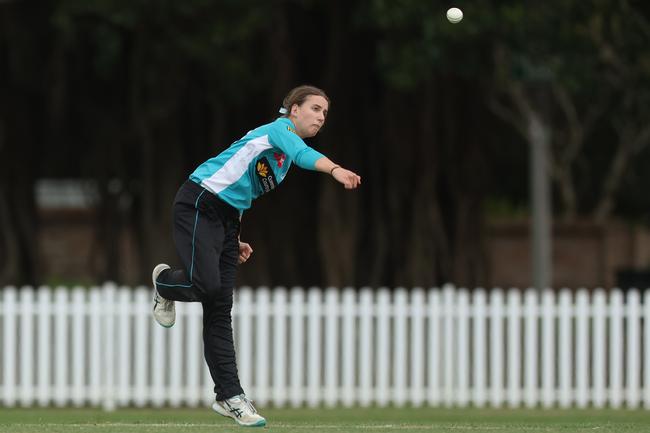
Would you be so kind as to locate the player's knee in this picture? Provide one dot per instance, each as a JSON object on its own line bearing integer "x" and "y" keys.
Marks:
{"x": 222, "y": 298}
{"x": 208, "y": 287}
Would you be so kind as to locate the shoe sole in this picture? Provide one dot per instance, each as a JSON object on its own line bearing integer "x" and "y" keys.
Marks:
{"x": 154, "y": 274}
{"x": 218, "y": 409}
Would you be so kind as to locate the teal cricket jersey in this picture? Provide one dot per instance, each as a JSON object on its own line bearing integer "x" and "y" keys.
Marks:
{"x": 255, "y": 164}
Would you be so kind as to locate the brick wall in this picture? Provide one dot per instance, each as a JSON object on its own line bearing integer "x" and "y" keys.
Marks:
{"x": 584, "y": 254}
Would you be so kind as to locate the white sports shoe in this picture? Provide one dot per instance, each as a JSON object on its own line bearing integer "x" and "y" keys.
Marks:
{"x": 164, "y": 310}
{"x": 241, "y": 410}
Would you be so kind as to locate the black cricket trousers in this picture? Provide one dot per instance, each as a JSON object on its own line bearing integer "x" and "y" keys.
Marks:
{"x": 206, "y": 235}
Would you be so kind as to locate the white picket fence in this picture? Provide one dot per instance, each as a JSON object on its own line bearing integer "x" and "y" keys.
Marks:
{"x": 448, "y": 347}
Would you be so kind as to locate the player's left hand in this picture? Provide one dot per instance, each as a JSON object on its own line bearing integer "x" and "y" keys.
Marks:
{"x": 245, "y": 252}
{"x": 349, "y": 179}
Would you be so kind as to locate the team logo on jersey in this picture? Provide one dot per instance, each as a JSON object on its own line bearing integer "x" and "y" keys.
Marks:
{"x": 279, "y": 158}
{"x": 290, "y": 129}
{"x": 262, "y": 169}
{"x": 265, "y": 175}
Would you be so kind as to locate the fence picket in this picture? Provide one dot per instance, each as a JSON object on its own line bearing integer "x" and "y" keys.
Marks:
{"x": 331, "y": 352}
{"x": 564, "y": 348}
{"x": 141, "y": 343}
{"x": 314, "y": 342}
{"x": 449, "y": 338}
{"x": 175, "y": 334}
{"x": 123, "y": 372}
{"x": 514, "y": 348}
{"x": 598, "y": 344}
{"x": 349, "y": 351}
{"x": 382, "y": 372}
{"x": 497, "y": 366}
{"x": 109, "y": 292}
{"x": 194, "y": 363}
{"x": 417, "y": 347}
{"x": 78, "y": 346}
{"x": 462, "y": 364}
{"x": 433, "y": 350}
{"x": 9, "y": 330}
{"x": 279, "y": 346}
{"x": 44, "y": 345}
{"x": 96, "y": 346}
{"x": 297, "y": 346}
{"x": 479, "y": 349}
{"x": 366, "y": 311}
{"x": 399, "y": 346}
{"x": 632, "y": 367}
{"x": 26, "y": 361}
{"x": 646, "y": 349}
{"x": 530, "y": 348}
{"x": 61, "y": 346}
{"x": 548, "y": 348}
{"x": 262, "y": 347}
{"x": 616, "y": 348}
{"x": 582, "y": 349}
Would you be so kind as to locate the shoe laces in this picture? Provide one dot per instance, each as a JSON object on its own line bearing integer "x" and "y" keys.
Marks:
{"x": 165, "y": 304}
{"x": 245, "y": 402}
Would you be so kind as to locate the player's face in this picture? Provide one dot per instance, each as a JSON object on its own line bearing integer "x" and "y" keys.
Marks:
{"x": 309, "y": 117}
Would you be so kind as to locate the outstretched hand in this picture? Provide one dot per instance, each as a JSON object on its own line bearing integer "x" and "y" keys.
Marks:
{"x": 245, "y": 252}
{"x": 349, "y": 179}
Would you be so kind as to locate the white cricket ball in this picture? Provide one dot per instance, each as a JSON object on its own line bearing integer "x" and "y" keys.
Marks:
{"x": 454, "y": 15}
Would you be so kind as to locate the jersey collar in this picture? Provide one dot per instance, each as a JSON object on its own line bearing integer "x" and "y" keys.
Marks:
{"x": 290, "y": 125}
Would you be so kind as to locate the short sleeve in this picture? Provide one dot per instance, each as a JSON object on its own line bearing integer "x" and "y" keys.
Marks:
{"x": 283, "y": 137}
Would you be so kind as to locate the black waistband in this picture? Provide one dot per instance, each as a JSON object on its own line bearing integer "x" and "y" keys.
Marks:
{"x": 212, "y": 200}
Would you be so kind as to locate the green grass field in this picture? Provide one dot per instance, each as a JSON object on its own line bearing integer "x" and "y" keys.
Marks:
{"x": 326, "y": 420}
